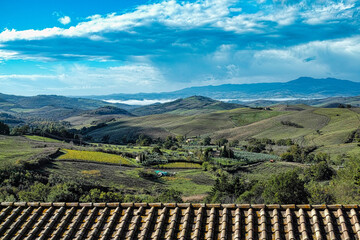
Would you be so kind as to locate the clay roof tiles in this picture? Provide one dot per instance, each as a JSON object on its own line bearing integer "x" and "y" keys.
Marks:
{"x": 177, "y": 221}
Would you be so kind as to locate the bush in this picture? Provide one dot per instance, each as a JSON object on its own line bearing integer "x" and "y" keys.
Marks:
{"x": 284, "y": 142}
{"x": 205, "y": 166}
{"x": 227, "y": 189}
{"x": 148, "y": 174}
{"x": 319, "y": 194}
{"x": 319, "y": 172}
{"x": 169, "y": 196}
{"x": 287, "y": 157}
{"x": 96, "y": 195}
{"x": 285, "y": 188}
{"x": 206, "y": 141}
{"x": 156, "y": 150}
{"x": 37, "y": 193}
{"x": 291, "y": 124}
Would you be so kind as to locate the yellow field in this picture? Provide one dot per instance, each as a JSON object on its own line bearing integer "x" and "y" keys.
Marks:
{"x": 180, "y": 165}
{"x": 94, "y": 157}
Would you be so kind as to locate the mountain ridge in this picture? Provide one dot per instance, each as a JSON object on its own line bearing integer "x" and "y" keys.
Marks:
{"x": 303, "y": 87}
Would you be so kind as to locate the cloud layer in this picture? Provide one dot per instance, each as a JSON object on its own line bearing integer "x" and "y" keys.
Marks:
{"x": 173, "y": 44}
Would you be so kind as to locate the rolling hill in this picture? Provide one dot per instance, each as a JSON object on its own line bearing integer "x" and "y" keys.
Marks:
{"x": 187, "y": 106}
{"x": 327, "y": 128}
{"x": 40, "y": 101}
{"x": 55, "y": 108}
{"x": 96, "y": 116}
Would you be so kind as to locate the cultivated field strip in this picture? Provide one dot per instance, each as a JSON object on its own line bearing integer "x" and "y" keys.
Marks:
{"x": 177, "y": 221}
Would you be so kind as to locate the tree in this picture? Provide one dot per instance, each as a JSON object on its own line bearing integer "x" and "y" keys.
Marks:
{"x": 156, "y": 150}
{"x": 206, "y": 141}
{"x": 227, "y": 189}
{"x": 287, "y": 157}
{"x": 285, "y": 188}
{"x": 144, "y": 140}
{"x": 20, "y": 130}
{"x": 4, "y": 129}
{"x": 180, "y": 138}
{"x": 319, "y": 172}
{"x": 322, "y": 157}
{"x": 222, "y": 142}
{"x": 226, "y": 152}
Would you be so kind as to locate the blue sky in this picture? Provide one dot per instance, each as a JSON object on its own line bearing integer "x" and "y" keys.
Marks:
{"x": 103, "y": 47}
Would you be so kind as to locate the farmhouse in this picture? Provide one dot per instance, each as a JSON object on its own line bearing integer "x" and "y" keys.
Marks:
{"x": 177, "y": 221}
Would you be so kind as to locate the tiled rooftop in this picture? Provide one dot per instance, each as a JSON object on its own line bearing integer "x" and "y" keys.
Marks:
{"x": 177, "y": 221}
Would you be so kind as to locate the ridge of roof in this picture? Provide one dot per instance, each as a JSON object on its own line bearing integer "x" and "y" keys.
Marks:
{"x": 196, "y": 205}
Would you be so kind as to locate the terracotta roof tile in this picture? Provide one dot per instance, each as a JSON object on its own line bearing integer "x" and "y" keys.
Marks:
{"x": 177, "y": 221}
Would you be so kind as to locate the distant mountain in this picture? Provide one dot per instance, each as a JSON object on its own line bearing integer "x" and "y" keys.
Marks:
{"x": 187, "y": 106}
{"x": 331, "y": 102}
{"x": 304, "y": 87}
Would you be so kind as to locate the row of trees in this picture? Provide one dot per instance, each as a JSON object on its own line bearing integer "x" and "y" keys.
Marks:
{"x": 294, "y": 186}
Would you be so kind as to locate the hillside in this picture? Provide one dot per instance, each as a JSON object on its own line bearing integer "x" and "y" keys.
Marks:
{"x": 312, "y": 126}
{"x": 187, "y": 106}
{"x": 96, "y": 116}
{"x": 162, "y": 125}
{"x": 304, "y": 87}
{"x": 107, "y": 110}
{"x": 54, "y": 101}
{"x": 55, "y": 108}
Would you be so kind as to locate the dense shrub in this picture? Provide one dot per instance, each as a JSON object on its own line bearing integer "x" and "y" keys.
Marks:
{"x": 285, "y": 188}
{"x": 227, "y": 189}
{"x": 319, "y": 172}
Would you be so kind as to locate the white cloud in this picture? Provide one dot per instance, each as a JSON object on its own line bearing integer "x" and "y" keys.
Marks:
{"x": 64, "y": 20}
{"x": 131, "y": 77}
{"x": 222, "y": 14}
{"x": 32, "y": 77}
{"x": 328, "y": 12}
{"x": 77, "y": 77}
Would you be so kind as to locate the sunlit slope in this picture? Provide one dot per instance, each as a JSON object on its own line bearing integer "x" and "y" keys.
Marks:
{"x": 342, "y": 123}
{"x": 321, "y": 126}
{"x": 166, "y": 124}
{"x": 273, "y": 128}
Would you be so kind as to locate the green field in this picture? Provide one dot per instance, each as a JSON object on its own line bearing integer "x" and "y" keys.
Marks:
{"x": 95, "y": 157}
{"x": 15, "y": 149}
{"x": 42, "y": 139}
{"x": 191, "y": 182}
